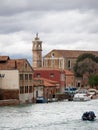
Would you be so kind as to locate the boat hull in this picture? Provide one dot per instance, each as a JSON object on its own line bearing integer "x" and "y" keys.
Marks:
{"x": 81, "y": 97}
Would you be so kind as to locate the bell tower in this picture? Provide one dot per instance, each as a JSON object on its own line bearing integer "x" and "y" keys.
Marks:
{"x": 37, "y": 52}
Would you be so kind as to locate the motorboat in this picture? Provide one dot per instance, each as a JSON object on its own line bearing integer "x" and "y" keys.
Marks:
{"x": 92, "y": 92}
{"x": 82, "y": 95}
{"x": 41, "y": 100}
{"x": 90, "y": 116}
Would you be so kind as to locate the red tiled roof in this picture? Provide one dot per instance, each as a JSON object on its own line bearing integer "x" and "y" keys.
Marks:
{"x": 12, "y": 63}
{"x": 67, "y": 72}
{"x": 4, "y": 58}
{"x": 48, "y": 69}
{"x": 46, "y": 82}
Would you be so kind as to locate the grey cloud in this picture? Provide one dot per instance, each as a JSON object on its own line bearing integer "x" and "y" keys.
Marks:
{"x": 23, "y": 21}
{"x": 11, "y": 7}
{"x": 67, "y": 21}
{"x": 62, "y": 24}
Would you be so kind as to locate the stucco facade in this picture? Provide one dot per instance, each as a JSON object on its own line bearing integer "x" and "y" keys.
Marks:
{"x": 10, "y": 80}
{"x": 9, "y": 84}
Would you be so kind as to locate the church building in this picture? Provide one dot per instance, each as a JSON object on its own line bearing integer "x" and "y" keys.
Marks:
{"x": 56, "y": 59}
{"x": 64, "y": 59}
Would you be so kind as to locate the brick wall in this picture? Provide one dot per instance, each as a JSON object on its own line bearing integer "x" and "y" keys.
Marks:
{"x": 9, "y": 94}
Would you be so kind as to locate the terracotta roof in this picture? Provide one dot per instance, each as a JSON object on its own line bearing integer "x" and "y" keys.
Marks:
{"x": 4, "y": 58}
{"x": 67, "y": 72}
{"x": 20, "y": 63}
{"x": 45, "y": 82}
{"x": 72, "y": 53}
{"x": 48, "y": 69}
{"x": 12, "y": 63}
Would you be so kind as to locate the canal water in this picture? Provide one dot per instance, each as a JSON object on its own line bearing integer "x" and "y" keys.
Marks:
{"x": 65, "y": 115}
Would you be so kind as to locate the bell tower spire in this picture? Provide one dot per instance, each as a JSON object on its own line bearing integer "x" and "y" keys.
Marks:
{"x": 36, "y": 38}
{"x": 37, "y": 52}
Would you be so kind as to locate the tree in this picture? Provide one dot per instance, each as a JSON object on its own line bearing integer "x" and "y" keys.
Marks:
{"x": 93, "y": 80}
{"x": 86, "y": 63}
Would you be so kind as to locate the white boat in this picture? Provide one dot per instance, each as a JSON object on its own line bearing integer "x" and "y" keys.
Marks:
{"x": 82, "y": 95}
{"x": 92, "y": 92}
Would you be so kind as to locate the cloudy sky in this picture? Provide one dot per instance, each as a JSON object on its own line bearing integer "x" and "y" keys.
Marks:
{"x": 61, "y": 24}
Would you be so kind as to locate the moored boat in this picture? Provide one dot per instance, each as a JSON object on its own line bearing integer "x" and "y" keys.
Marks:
{"x": 41, "y": 100}
{"x": 82, "y": 95}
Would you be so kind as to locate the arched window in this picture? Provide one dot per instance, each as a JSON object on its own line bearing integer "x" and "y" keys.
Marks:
{"x": 69, "y": 64}
{"x": 52, "y": 55}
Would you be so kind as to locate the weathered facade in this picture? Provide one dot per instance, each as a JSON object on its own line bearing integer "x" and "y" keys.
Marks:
{"x": 63, "y": 77}
{"x": 59, "y": 59}
{"x": 9, "y": 84}
{"x": 70, "y": 79}
{"x": 16, "y": 80}
{"x": 25, "y": 81}
{"x": 45, "y": 88}
{"x": 51, "y": 74}
{"x": 64, "y": 59}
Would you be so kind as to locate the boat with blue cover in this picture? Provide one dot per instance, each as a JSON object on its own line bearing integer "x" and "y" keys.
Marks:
{"x": 41, "y": 100}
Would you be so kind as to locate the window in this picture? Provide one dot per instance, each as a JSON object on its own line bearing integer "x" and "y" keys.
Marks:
{"x": 26, "y": 89}
{"x": 36, "y": 93}
{"x": 38, "y": 75}
{"x": 26, "y": 76}
{"x": 69, "y": 64}
{"x": 53, "y": 63}
{"x": 21, "y": 77}
{"x": 60, "y": 63}
{"x": 30, "y": 76}
{"x": 78, "y": 85}
{"x": 21, "y": 89}
{"x": 52, "y": 55}
{"x": 51, "y": 75}
{"x": 30, "y": 89}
